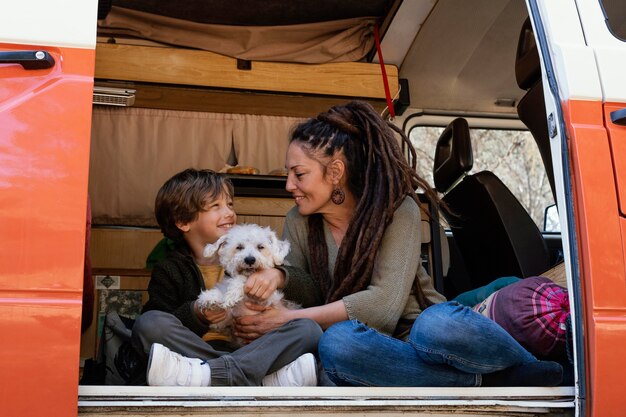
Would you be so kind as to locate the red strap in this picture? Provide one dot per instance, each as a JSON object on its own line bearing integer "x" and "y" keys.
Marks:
{"x": 392, "y": 112}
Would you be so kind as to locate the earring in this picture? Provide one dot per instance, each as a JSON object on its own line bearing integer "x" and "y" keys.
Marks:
{"x": 338, "y": 196}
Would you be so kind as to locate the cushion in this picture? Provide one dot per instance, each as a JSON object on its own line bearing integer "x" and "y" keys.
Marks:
{"x": 534, "y": 311}
{"x": 472, "y": 297}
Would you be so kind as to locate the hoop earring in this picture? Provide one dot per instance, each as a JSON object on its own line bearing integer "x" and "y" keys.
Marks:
{"x": 338, "y": 196}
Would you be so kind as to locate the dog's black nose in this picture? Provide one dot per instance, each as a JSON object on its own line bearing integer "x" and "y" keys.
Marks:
{"x": 249, "y": 260}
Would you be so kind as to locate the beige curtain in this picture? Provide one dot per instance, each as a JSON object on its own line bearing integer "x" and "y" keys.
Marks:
{"x": 134, "y": 151}
{"x": 346, "y": 40}
{"x": 261, "y": 141}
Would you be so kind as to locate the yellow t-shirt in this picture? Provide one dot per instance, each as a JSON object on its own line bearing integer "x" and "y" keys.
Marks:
{"x": 212, "y": 274}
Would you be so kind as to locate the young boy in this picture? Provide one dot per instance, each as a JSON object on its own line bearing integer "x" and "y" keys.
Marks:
{"x": 194, "y": 208}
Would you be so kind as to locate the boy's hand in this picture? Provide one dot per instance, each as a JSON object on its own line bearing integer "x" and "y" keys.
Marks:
{"x": 261, "y": 285}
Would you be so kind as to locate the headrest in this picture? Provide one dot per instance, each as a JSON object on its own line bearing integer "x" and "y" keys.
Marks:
{"x": 527, "y": 65}
{"x": 453, "y": 154}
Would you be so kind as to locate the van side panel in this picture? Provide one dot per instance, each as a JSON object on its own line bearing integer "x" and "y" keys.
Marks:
{"x": 45, "y": 119}
{"x": 601, "y": 250}
{"x": 617, "y": 137}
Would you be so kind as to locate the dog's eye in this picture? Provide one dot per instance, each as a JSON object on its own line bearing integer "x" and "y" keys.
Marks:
{"x": 239, "y": 247}
{"x": 260, "y": 247}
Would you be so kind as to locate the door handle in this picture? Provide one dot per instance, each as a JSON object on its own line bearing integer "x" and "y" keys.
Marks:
{"x": 30, "y": 60}
{"x": 619, "y": 117}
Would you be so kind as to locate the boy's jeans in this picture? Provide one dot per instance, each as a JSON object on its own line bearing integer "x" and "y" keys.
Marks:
{"x": 449, "y": 345}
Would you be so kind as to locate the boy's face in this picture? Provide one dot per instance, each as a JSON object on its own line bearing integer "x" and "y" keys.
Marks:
{"x": 216, "y": 220}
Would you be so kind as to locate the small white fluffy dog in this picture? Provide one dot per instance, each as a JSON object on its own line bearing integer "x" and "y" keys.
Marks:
{"x": 245, "y": 249}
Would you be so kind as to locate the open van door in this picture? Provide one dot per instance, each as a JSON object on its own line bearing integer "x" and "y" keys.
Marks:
{"x": 583, "y": 63}
{"x": 46, "y": 86}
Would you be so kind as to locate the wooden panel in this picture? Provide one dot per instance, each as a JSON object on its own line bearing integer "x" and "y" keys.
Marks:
{"x": 122, "y": 247}
{"x": 264, "y": 211}
{"x": 128, "y": 248}
{"x": 202, "y": 68}
{"x": 275, "y": 223}
{"x": 218, "y": 101}
{"x": 426, "y": 238}
{"x": 263, "y": 206}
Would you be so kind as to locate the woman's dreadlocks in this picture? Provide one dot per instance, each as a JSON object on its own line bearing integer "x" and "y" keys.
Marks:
{"x": 380, "y": 178}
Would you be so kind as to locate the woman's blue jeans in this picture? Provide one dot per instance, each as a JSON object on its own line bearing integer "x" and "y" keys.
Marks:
{"x": 449, "y": 345}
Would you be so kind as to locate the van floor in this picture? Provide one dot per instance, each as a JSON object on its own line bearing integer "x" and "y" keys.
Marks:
{"x": 113, "y": 401}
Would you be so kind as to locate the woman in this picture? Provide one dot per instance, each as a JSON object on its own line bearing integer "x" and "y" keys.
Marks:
{"x": 356, "y": 232}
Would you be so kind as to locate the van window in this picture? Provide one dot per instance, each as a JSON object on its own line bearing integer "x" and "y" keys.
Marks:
{"x": 510, "y": 154}
{"x": 615, "y": 13}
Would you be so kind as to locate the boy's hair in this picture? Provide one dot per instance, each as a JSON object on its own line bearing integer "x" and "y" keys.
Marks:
{"x": 184, "y": 195}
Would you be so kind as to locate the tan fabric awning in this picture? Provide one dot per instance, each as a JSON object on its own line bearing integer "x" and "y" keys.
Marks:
{"x": 347, "y": 40}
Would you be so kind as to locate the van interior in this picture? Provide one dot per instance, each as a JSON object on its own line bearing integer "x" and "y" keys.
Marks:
{"x": 219, "y": 85}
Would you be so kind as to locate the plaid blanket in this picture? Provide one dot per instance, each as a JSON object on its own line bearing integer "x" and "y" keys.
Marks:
{"x": 534, "y": 311}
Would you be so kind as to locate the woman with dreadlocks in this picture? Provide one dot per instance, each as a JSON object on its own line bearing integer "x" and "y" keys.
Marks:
{"x": 356, "y": 231}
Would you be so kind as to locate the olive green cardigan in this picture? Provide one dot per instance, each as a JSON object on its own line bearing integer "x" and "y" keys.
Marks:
{"x": 388, "y": 298}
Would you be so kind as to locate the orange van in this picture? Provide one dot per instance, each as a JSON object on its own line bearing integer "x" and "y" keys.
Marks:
{"x": 258, "y": 67}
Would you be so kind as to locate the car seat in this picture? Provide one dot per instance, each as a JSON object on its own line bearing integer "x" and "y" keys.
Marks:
{"x": 531, "y": 109}
{"x": 493, "y": 232}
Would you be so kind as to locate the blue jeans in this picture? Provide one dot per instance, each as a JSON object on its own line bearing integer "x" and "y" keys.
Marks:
{"x": 449, "y": 345}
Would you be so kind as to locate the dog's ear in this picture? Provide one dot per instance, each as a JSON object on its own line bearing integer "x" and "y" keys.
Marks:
{"x": 212, "y": 250}
{"x": 280, "y": 249}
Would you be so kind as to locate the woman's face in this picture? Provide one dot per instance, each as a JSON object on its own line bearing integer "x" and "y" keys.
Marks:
{"x": 306, "y": 181}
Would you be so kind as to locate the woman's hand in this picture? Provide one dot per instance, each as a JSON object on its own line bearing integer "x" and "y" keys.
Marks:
{"x": 214, "y": 315}
{"x": 262, "y": 284}
{"x": 253, "y": 326}
{"x": 209, "y": 315}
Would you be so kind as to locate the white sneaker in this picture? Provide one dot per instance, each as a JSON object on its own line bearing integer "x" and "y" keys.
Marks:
{"x": 167, "y": 368}
{"x": 299, "y": 373}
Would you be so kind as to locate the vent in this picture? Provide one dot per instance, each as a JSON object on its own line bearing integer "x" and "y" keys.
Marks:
{"x": 109, "y": 96}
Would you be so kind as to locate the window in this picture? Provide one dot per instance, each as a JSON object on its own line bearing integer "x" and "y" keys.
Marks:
{"x": 510, "y": 154}
{"x": 615, "y": 13}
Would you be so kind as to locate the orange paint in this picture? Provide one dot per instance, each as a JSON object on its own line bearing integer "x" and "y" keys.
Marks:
{"x": 600, "y": 231}
{"x": 45, "y": 119}
{"x": 617, "y": 137}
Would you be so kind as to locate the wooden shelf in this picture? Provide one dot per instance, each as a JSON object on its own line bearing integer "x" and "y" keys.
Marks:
{"x": 189, "y": 67}
{"x": 206, "y": 99}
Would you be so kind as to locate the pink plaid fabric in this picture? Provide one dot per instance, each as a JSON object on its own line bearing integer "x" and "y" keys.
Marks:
{"x": 534, "y": 311}
{"x": 551, "y": 308}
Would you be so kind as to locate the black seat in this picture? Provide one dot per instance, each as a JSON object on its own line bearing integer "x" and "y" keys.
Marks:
{"x": 532, "y": 108}
{"x": 493, "y": 232}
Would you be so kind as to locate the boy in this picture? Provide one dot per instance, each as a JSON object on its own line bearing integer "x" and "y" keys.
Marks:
{"x": 194, "y": 208}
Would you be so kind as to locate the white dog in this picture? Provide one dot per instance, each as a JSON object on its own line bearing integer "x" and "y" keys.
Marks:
{"x": 245, "y": 249}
